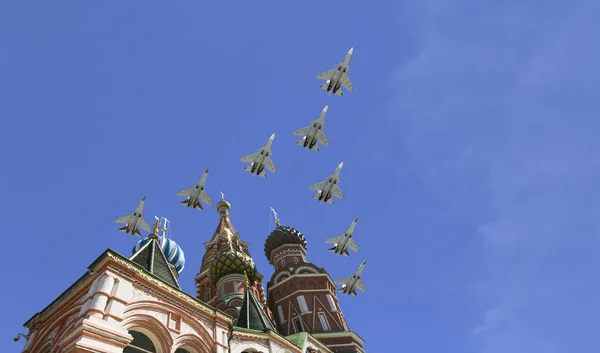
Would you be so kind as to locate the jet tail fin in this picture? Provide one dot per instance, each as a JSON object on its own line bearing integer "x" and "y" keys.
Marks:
{"x": 124, "y": 229}
{"x": 248, "y": 168}
{"x": 263, "y": 174}
{"x": 316, "y": 196}
{"x": 315, "y": 148}
{"x": 325, "y": 86}
{"x": 346, "y": 253}
{"x": 353, "y": 292}
{"x": 137, "y": 232}
{"x": 339, "y": 92}
{"x": 330, "y": 201}
{"x": 300, "y": 143}
{"x": 333, "y": 249}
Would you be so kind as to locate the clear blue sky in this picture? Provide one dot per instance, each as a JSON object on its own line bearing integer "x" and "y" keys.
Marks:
{"x": 469, "y": 144}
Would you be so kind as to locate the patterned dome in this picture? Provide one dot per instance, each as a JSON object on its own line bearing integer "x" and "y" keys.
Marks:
{"x": 232, "y": 261}
{"x": 169, "y": 247}
{"x": 283, "y": 235}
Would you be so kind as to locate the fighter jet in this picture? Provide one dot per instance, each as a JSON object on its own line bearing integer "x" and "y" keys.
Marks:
{"x": 134, "y": 221}
{"x": 195, "y": 194}
{"x": 338, "y": 77}
{"x": 261, "y": 160}
{"x": 313, "y": 133}
{"x": 351, "y": 283}
{"x": 344, "y": 241}
{"x": 329, "y": 187}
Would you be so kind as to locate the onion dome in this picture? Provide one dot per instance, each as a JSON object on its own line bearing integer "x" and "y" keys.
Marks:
{"x": 283, "y": 235}
{"x": 172, "y": 251}
{"x": 232, "y": 261}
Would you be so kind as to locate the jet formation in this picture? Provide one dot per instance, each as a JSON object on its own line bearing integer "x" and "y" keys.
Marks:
{"x": 134, "y": 221}
{"x": 351, "y": 283}
{"x": 343, "y": 242}
{"x": 195, "y": 194}
{"x": 261, "y": 161}
{"x": 313, "y": 133}
{"x": 328, "y": 188}
{"x": 338, "y": 77}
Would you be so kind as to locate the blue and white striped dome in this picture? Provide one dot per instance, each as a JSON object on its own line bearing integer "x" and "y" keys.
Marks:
{"x": 169, "y": 247}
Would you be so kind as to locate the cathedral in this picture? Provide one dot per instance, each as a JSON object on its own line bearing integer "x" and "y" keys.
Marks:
{"x": 135, "y": 304}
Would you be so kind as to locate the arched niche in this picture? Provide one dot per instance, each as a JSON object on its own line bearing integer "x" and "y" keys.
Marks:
{"x": 141, "y": 343}
{"x": 183, "y": 350}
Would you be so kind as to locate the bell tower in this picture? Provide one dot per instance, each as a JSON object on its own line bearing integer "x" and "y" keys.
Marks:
{"x": 302, "y": 295}
{"x": 221, "y": 281}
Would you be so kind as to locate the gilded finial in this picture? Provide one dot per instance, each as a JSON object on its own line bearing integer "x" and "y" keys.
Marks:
{"x": 164, "y": 229}
{"x": 156, "y": 226}
{"x": 276, "y": 216}
{"x": 246, "y": 279}
{"x": 222, "y": 196}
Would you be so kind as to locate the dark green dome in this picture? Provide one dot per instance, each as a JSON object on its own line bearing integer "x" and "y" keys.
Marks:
{"x": 283, "y": 235}
{"x": 232, "y": 261}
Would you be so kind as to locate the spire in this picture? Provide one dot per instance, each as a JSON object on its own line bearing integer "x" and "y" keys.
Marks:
{"x": 276, "y": 216}
{"x": 223, "y": 207}
{"x": 154, "y": 234}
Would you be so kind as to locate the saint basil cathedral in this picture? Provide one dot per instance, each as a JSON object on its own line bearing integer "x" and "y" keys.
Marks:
{"x": 135, "y": 304}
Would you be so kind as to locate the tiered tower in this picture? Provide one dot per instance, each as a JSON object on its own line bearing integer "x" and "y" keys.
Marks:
{"x": 226, "y": 264}
{"x": 303, "y": 296}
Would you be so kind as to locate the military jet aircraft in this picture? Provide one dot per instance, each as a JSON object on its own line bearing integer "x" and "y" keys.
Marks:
{"x": 338, "y": 77}
{"x": 329, "y": 187}
{"x": 196, "y": 193}
{"x": 351, "y": 283}
{"x": 134, "y": 221}
{"x": 313, "y": 133}
{"x": 261, "y": 160}
{"x": 344, "y": 241}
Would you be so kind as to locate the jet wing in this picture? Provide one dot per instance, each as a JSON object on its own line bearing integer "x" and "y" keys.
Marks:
{"x": 345, "y": 82}
{"x": 186, "y": 192}
{"x": 124, "y": 219}
{"x": 361, "y": 286}
{"x": 335, "y": 190}
{"x": 318, "y": 186}
{"x": 352, "y": 245}
{"x": 142, "y": 224}
{"x": 327, "y": 75}
{"x": 305, "y": 131}
{"x": 270, "y": 165}
{"x": 335, "y": 240}
{"x": 204, "y": 196}
{"x": 345, "y": 280}
{"x": 252, "y": 158}
{"x": 322, "y": 139}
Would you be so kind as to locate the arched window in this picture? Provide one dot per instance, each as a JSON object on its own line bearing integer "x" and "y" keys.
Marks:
{"x": 140, "y": 344}
{"x": 181, "y": 350}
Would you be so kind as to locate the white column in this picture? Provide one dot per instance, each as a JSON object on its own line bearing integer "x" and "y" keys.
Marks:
{"x": 100, "y": 299}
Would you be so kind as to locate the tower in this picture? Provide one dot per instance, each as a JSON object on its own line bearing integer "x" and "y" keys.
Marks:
{"x": 303, "y": 296}
{"x": 225, "y": 266}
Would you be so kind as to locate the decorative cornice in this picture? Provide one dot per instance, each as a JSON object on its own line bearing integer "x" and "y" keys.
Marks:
{"x": 178, "y": 293}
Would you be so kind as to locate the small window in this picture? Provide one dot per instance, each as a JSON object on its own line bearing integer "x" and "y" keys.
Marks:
{"x": 235, "y": 287}
{"x": 280, "y": 313}
{"x": 283, "y": 264}
{"x": 207, "y": 295}
{"x": 331, "y": 302}
{"x": 295, "y": 260}
{"x": 298, "y": 325}
{"x": 324, "y": 322}
{"x": 302, "y": 303}
{"x": 222, "y": 290}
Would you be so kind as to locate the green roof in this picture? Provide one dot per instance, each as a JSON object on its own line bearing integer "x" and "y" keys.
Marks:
{"x": 298, "y": 339}
{"x": 152, "y": 259}
{"x": 252, "y": 316}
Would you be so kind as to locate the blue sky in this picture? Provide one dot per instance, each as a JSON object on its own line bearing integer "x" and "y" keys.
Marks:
{"x": 469, "y": 145}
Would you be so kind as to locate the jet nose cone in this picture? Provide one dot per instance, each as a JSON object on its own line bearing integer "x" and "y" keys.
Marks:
{"x": 355, "y": 219}
{"x": 341, "y": 165}
{"x": 272, "y": 137}
{"x": 206, "y": 171}
{"x": 365, "y": 262}
{"x": 325, "y": 109}
{"x": 144, "y": 198}
{"x": 351, "y": 51}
